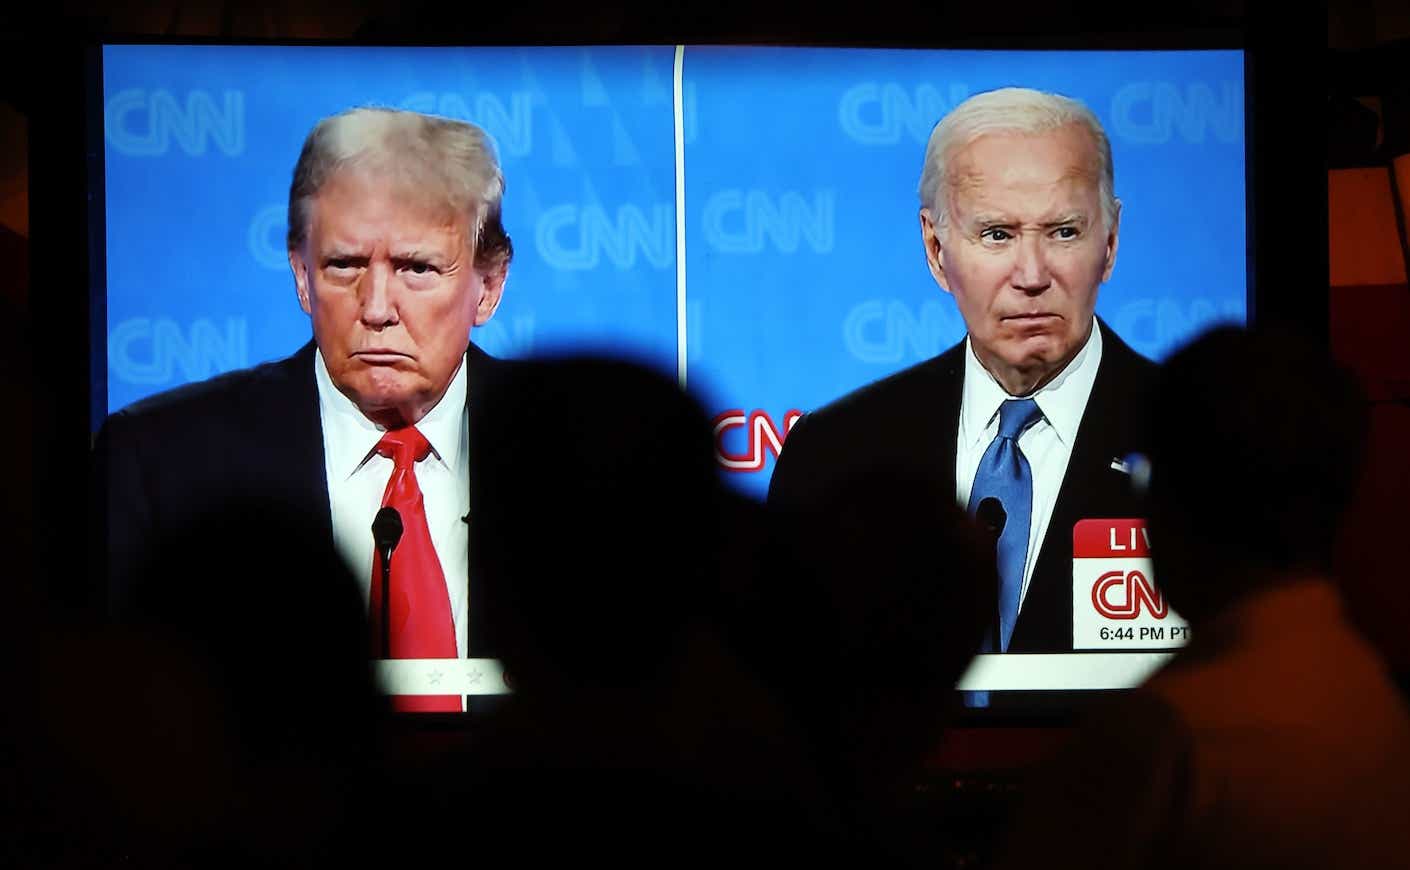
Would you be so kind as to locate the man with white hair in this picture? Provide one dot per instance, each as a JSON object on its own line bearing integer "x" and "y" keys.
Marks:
{"x": 397, "y": 250}
{"x": 1031, "y": 416}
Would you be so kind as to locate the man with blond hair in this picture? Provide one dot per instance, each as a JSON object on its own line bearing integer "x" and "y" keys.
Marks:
{"x": 397, "y": 250}
{"x": 1030, "y": 417}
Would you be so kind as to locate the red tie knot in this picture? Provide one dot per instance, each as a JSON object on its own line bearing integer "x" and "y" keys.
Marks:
{"x": 404, "y": 446}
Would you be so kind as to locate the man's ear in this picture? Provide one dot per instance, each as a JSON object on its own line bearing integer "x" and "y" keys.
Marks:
{"x": 300, "y": 269}
{"x": 930, "y": 235}
{"x": 492, "y": 293}
{"x": 1112, "y": 238}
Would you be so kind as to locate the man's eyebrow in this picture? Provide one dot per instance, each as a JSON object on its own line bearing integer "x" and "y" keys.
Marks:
{"x": 997, "y": 220}
{"x": 1075, "y": 217}
{"x": 343, "y": 247}
{"x": 416, "y": 253}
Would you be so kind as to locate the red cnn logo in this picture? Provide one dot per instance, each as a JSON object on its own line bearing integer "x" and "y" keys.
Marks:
{"x": 760, "y": 432}
{"x": 1137, "y": 589}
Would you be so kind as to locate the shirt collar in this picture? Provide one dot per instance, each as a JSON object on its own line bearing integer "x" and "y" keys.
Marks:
{"x": 350, "y": 438}
{"x": 1062, "y": 400}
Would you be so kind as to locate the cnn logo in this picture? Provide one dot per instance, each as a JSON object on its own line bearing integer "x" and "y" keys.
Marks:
{"x": 1135, "y": 592}
{"x": 760, "y": 435}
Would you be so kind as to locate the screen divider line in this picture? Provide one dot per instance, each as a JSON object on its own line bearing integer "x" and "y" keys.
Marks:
{"x": 678, "y": 109}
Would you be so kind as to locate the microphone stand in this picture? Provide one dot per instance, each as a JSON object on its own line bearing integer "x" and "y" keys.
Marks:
{"x": 386, "y": 533}
{"x": 992, "y": 518}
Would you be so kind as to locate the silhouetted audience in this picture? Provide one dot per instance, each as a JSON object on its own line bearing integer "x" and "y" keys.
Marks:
{"x": 274, "y": 623}
{"x": 702, "y": 681}
{"x": 1275, "y": 739}
{"x": 229, "y": 719}
{"x": 636, "y": 734}
{"x": 870, "y": 609}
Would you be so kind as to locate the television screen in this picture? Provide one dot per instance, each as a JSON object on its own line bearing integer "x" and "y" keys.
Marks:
{"x": 745, "y": 218}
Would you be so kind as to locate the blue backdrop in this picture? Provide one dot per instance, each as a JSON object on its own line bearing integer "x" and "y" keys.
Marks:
{"x": 805, "y": 274}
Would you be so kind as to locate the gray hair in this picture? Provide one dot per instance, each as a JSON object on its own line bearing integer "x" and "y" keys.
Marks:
{"x": 1009, "y": 110}
{"x": 449, "y": 159}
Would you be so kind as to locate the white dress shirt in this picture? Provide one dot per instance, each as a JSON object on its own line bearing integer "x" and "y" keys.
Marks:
{"x": 357, "y": 478}
{"x": 1047, "y": 444}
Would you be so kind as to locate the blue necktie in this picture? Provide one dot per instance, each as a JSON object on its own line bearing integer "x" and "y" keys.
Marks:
{"x": 1004, "y": 474}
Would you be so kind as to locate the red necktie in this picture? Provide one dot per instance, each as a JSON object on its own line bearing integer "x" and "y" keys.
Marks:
{"x": 421, "y": 623}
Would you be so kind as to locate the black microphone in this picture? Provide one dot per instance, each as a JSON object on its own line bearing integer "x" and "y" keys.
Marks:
{"x": 992, "y": 518}
{"x": 386, "y": 532}
{"x": 991, "y": 515}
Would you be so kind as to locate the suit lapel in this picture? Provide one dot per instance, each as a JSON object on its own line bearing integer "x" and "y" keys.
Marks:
{"x": 1091, "y": 488}
{"x": 295, "y": 408}
{"x": 941, "y": 417}
{"x": 479, "y": 368}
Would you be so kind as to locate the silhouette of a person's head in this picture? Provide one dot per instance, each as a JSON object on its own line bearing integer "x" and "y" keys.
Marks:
{"x": 594, "y": 520}
{"x": 1257, "y": 445}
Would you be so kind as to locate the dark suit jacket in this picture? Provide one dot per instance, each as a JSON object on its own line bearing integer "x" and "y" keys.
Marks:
{"x": 910, "y": 420}
{"x": 254, "y": 433}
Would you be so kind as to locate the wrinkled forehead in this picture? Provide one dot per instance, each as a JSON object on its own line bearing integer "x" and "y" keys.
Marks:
{"x": 1061, "y": 163}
